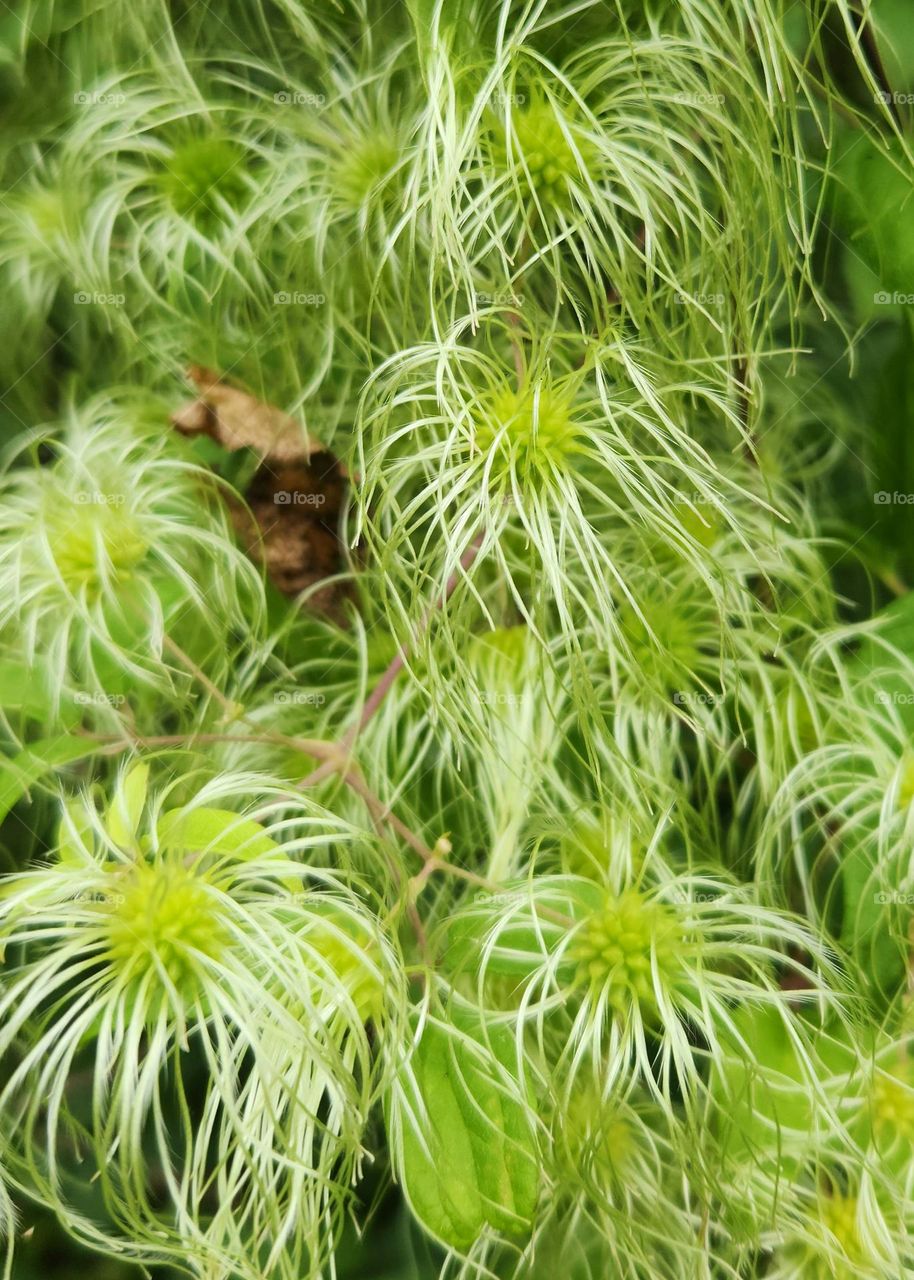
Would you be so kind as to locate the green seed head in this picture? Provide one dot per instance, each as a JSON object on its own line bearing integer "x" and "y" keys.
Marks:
{"x": 363, "y": 169}
{"x": 161, "y": 918}
{"x": 663, "y": 639}
{"x": 351, "y": 962}
{"x": 841, "y": 1236}
{"x": 893, "y": 1108}
{"x": 617, "y": 950}
{"x": 201, "y": 174}
{"x": 548, "y": 153}
{"x": 598, "y": 1135}
{"x": 93, "y": 543}
{"x": 533, "y": 427}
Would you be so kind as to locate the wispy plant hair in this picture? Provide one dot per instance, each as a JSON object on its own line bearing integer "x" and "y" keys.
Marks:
{"x": 591, "y": 174}
{"x": 538, "y": 463}
{"x": 161, "y": 937}
{"x": 616, "y": 979}
{"x": 107, "y": 544}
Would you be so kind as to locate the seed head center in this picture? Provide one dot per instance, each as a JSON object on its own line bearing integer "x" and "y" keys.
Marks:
{"x": 163, "y": 917}
{"x": 619, "y": 949}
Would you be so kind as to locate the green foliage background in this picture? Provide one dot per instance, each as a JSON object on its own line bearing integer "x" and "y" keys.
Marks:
{"x": 120, "y": 119}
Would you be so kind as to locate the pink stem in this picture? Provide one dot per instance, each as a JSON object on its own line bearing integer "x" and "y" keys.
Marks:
{"x": 382, "y": 688}
{"x": 394, "y": 667}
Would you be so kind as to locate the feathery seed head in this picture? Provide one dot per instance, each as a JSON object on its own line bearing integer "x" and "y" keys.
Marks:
{"x": 112, "y": 538}
{"x": 203, "y": 175}
{"x": 563, "y": 474}
{"x": 532, "y": 427}
{"x": 627, "y": 945}
{"x": 160, "y": 918}
{"x": 363, "y": 168}
{"x": 177, "y": 219}
{"x": 651, "y": 956}
{"x": 545, "y": 149}
{"x": 94, "y": 545}
{"x": 170, "y": 944}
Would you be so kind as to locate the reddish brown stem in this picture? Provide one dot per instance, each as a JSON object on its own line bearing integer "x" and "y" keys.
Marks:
{"x": 382, "y": 688}
{"x": 394, "y": 667}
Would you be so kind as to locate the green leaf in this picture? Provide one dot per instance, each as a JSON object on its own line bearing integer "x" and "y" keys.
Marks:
{"x": 216, "y": 831}
{"x": 75, "y": 836}
{"x": 766, "y": 1108}
{"x": 875, "y": 191}
{"x": 896, "y": 628}
{"x": 467, "y": 1158}
{"x": 21, "y": 771}
{"x": 895, "y": 34}
{"x": 123, "y": 817}
{"x": 874, "y": 922}
{"x": 24, "y": 688}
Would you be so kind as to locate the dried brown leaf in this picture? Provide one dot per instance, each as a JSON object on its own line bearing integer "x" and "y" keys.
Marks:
{"x": 237, "y": 420}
